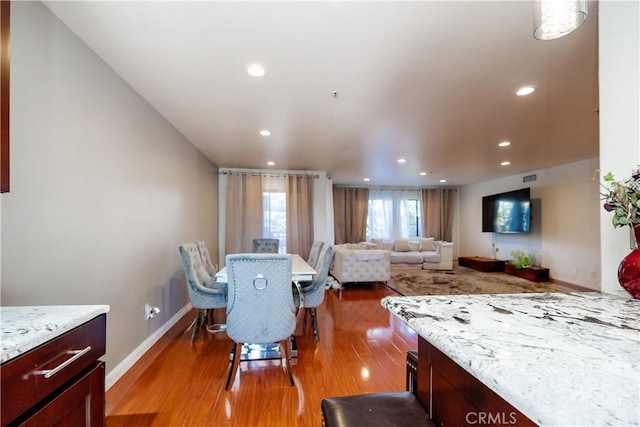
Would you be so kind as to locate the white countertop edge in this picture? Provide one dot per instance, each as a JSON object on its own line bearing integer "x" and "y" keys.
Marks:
{"x": 551, "y": 416}
{"x": 23, "y": 328}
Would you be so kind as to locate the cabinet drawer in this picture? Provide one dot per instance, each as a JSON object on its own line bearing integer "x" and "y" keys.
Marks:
{"x": 23, "y": 382}
{"x": 79, "y": 404}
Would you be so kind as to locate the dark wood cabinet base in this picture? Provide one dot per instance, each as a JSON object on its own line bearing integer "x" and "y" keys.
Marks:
{"x": 481, "y": 264}
{"x": 535, "y": 274}
{"x": 455, "y": 397}
{"x": 73, "y": 389}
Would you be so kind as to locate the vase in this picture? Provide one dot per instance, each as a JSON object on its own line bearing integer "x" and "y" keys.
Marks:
{"x": 629, "y": 269}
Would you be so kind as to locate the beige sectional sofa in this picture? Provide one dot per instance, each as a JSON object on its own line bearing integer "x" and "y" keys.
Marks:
{"x": 372, "y": 261}
{"x": 426, "y": 253}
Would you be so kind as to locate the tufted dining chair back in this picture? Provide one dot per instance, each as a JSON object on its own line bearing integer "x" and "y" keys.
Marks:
{"x": 260, "y": 307}
{"x": 313, "y": 291}
{"x": 204, "y": 293}
{"x": 314, "y": 253}
{"x": 206, "y": 258}
{"x": 266, "y": 246}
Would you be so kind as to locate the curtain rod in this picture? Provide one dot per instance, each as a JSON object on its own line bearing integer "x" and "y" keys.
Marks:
{"x": 267, "y": 174}
{"x": 395, "y": 188}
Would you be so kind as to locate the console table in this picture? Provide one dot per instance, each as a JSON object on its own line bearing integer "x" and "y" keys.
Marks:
{"x": 481, "y": 264}
{"x": 535, "y": 274}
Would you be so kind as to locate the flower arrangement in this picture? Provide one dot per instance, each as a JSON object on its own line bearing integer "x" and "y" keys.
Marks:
{"x": 622, "y": 198}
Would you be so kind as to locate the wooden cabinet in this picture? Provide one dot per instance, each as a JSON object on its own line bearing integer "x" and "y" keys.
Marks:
{"x": 60, "y": 382}
{"x": 81, "y": 403}
{"x": 481, "y": 263}
{"x": 455, "y": 397}
{"x": 535, "y": 274}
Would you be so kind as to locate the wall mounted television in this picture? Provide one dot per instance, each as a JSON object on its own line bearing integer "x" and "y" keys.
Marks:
{"x": 508, "y": 212}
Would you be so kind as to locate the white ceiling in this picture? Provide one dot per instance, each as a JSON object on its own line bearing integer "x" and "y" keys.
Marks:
{"x": 432, "y": 82}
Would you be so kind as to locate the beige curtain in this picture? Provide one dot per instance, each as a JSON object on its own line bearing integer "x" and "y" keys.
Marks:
{"x": 437, "y": 212}
{"x": 244, "y": 212}
{"x": 299, "y": 190}
{"x": 350, "y": 206}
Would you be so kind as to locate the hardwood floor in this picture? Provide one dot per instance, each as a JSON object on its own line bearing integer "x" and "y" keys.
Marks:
{"x": 362, "y": 349}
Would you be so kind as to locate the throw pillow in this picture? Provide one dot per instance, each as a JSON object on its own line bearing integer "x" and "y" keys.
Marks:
{"x": 427, "y": 244}
{"x": 378, "y": 243}
{"x": 401, "y": 246}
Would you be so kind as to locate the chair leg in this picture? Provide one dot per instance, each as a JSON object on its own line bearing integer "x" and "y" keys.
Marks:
{"x": 235, "y": 363}
{"x": 314, "y": 323}
{"x": 196, "y": 325}
{"x": 194, "y": 321}
{"x": 285, "y": 347}
{"x": 211, "y": 326}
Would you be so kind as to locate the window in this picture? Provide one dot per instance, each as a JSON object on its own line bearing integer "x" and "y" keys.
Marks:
{"x": 393, "y": 214}
{"x": 413, "y": 218}
{"x": 274, "y": 222}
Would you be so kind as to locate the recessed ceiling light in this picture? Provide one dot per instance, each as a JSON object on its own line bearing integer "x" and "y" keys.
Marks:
{"x": 525, "y": 90}
{"x": 265, "y": 132}
{"x": 505, "y": 163}
{"x": 366, "y": 179}
{"x": 423, "y": 173}
{"x": 402, "y": 160}
{"x": 271, "y": 163}
{"x": 255, "y": 70}
{"x": 504, "y": 144}
{"x": 443, "y": 180}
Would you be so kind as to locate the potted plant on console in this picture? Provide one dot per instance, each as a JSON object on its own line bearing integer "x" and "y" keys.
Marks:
{"x": 623, "y": 199}
{"x": 520, "y": 265}
{"x": 520, "y": 259}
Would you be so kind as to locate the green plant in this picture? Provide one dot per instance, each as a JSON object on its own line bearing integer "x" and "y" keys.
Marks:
{"x": 622, "y": 198}
{"x": 520, "y": 259}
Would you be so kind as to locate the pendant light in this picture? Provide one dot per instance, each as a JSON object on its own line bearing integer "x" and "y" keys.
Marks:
{"x": 557, "y": 18}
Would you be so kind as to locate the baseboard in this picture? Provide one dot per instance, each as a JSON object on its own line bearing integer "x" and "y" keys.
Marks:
{"x": 572, "y": 286}
{"x": 122, "y": 367}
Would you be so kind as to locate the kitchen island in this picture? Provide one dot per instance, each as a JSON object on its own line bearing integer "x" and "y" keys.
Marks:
{"x": 559, "y": 359}
{"x": 50, "y": 367}
{"x": 23, "y": 328}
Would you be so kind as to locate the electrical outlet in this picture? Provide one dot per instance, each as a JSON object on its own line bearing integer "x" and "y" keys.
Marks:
{"x": 593, "y": 274}
{"x": 150, "y": 311}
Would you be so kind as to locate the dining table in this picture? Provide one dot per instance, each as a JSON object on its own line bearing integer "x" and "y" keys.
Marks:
{"x": 301, "y": 271}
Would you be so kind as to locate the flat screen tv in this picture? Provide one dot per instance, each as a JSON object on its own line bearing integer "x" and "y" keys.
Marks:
{"x": 508, "y": 212}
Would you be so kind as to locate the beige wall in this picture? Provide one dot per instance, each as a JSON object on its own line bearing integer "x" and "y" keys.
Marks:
{"x": 103, "y": 189}
{"x": 564, "y": 227}
{"x": 619, "y": 63}
{"x": 619, "y": 93}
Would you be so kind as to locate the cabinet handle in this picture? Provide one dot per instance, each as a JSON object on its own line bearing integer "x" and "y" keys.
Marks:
{"x": 48, "y": 373}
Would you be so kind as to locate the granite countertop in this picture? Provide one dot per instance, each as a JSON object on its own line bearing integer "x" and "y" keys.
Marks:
{"x": 24, "y": 328}
{"x": 560, "y": 359}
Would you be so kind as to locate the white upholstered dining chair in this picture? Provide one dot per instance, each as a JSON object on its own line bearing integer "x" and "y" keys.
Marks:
{"x": 204, "y": 293}
{"x": 266, "y": 246}
{"x": 206, "y": 258}
{"x": 260, "y": 307}
{"x": 314, "y": 253}
{"x": 313, "y": 292}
